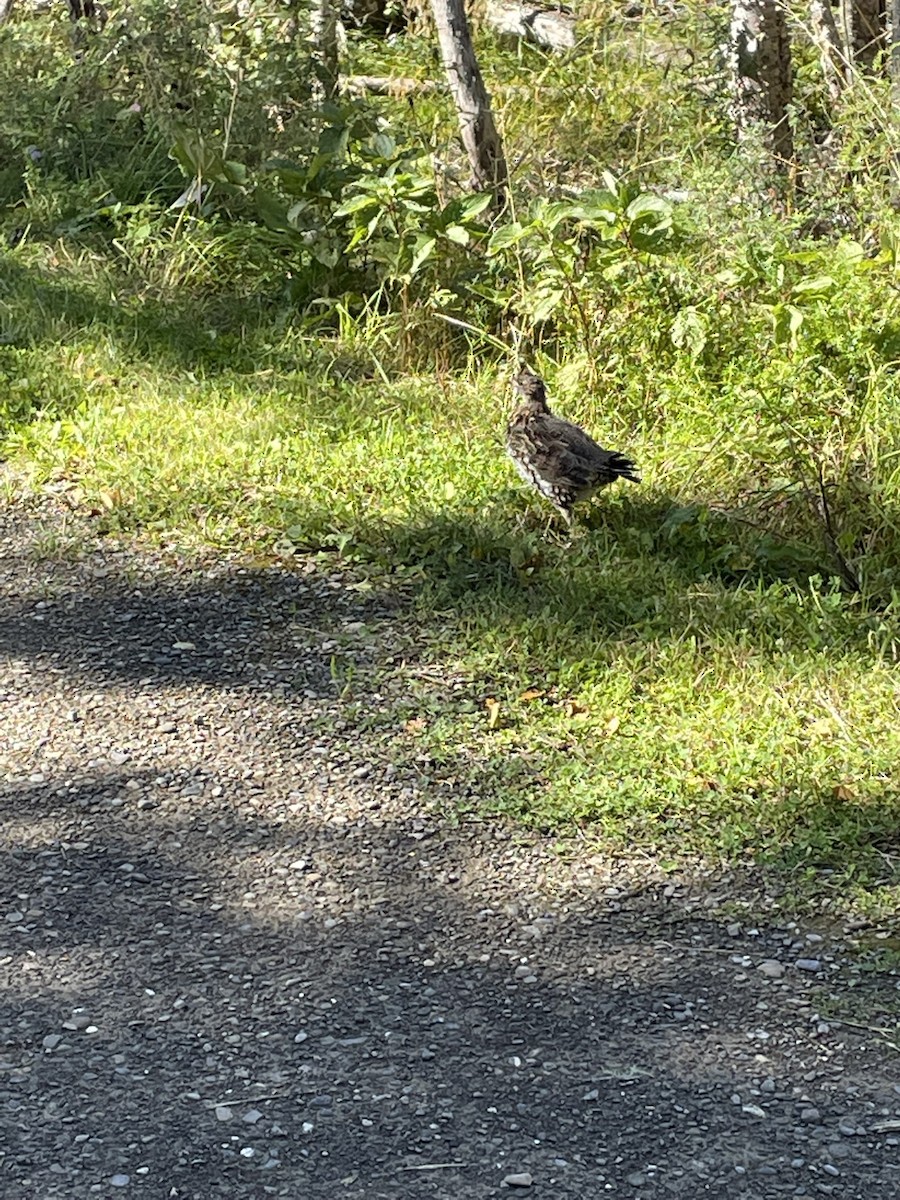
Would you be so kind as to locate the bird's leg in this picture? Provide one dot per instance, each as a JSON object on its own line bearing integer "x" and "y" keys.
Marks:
{"x": 550, "y": 530}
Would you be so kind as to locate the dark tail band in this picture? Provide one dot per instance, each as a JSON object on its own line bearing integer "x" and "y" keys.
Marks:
{"x": 625, "y": 468}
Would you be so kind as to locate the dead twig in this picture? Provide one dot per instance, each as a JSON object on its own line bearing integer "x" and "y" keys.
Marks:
{"x": 433, "y": 1166}
{"x": 849, "y": 576}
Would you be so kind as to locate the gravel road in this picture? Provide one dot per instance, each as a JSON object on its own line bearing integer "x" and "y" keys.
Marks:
{"x": 242, "y": 955}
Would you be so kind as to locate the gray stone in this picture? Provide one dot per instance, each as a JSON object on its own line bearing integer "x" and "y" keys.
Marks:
{"x": 771, "y": 969}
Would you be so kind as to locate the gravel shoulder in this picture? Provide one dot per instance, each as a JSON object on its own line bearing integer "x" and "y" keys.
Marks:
{"x": 242, "y": 953}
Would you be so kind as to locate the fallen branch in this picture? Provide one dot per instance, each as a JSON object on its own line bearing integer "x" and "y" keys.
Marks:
{"x": 390, "y": 85}
{"x": 553, "y": 29}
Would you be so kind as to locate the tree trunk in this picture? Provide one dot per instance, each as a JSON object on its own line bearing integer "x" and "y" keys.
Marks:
{"x": 476, "y": 121}
{"x": 759, "y": 53}
{"x": 323, "y": 38}
{"x": 865, "y": 29}
{"x": 835, "y": 63}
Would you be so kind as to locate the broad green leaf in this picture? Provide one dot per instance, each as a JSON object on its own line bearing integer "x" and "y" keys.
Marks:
{"x": 689, "y": 332}
{"x": 787, "y": 320}
{"x": 650, "y": 222}
{"x": 354, "y": 205}
{"x": 423, "y": 249}
{"x": 272, "y": 211}
{"x": 597, "y": 205}
{"x": 327, "y": 255}
{"x": 333, "y": 141}
{"x": 471, "y": 206}
{"x": 236, "y": 172}
{"x": 384, "y": 146}
{"x": 507, "y": 235}
{"x": 822, "y": 285}
{"x": 546, "y": 304}
{"x": 649, "y": 205}
{"x": 730, "y": 278}
{"x": 456, "y": 233}
{"x": 611, "y": 182}
{"x": 295, "y": 212}
{"x": 849, "y": 252}
{"x": 553, "y": 214}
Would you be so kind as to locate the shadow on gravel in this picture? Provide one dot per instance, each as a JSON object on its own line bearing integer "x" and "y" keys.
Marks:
{"x": 221, "y": 626}
{"x": 234, "y": 629}
{"x": 214, "y": 1002}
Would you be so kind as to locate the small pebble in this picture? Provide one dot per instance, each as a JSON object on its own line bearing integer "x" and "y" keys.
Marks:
{"x": 77, "y": 1021}
{"x": 771, "y": 969}
{"x": 520, "y": 1179}
{"x": 120, "y": 1180}
{"x": 808, "y": 964}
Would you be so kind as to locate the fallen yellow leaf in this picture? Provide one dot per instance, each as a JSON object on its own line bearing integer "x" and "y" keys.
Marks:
{"x": 493, "y": 709}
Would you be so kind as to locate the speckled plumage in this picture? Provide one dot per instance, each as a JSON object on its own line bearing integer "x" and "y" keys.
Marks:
{"x": 555, "y": 456}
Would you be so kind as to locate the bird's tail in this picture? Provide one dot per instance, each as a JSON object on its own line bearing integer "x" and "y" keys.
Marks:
{"x": 624, "y": 468}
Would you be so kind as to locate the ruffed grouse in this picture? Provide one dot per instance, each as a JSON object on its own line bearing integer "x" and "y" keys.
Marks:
{"x": 558, "y": 458}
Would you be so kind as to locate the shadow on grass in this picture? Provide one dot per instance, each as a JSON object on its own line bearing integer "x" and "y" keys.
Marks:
{"x": 218, "y": 334}
{"x": 625, "y": 581}
{"x": 224, "y": 997}
{"x": 634, "y": 572}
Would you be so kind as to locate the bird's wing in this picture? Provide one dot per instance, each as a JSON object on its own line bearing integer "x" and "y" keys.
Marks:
{"x": 581, "y": 456}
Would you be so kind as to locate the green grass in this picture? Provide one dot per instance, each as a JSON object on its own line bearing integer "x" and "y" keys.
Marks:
{"x": 690, "y": 676}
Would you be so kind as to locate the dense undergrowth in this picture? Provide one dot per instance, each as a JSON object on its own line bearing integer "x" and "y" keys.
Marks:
{"x": 228, "y": 319}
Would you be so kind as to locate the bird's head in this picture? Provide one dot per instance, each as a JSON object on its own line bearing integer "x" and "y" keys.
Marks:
{"x": 530, "y": 388}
